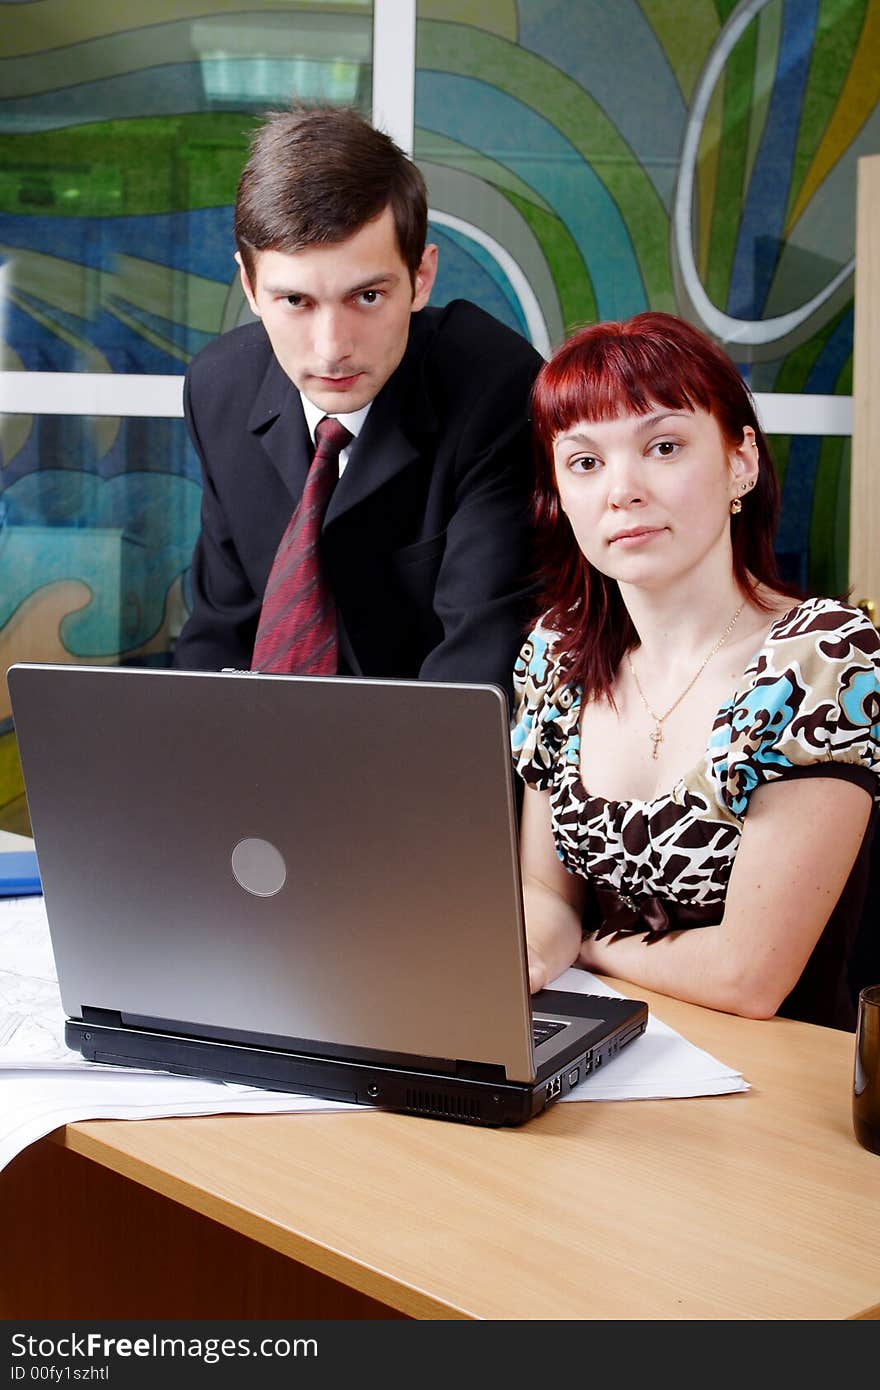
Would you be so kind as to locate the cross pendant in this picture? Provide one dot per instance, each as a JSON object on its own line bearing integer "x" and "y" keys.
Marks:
{"x": 656, "y": 738}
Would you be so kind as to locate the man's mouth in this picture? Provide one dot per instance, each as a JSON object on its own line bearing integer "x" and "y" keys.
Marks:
{"x": 339, "y": 383}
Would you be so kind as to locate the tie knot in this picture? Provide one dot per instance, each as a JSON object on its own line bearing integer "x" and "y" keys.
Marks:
{"x": 331, "y": 437}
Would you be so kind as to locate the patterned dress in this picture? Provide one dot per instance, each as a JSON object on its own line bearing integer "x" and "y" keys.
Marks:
{"x": 808, "y": 704}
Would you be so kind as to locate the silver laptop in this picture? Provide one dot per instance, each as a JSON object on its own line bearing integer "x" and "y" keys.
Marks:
{"x": 308, "y": 884}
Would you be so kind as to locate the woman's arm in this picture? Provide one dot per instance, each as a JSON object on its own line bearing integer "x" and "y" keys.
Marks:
{"x": 553, "y": 898}
{"x": 799, "y": 842}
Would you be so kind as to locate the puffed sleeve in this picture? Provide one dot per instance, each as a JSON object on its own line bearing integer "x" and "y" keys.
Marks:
{"x": 544, "y": 725}
{"x": 811, "y": 705}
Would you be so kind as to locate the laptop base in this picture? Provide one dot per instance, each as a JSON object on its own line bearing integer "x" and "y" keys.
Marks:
{"x": 427, "y": 1093}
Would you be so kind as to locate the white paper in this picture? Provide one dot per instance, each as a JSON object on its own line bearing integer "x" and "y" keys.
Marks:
{"x": 44, "y": 1085}
{"x": 660, "y": 1064}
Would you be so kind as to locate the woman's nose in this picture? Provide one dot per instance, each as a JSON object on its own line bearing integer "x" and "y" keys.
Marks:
{"x": 625, "y": 485}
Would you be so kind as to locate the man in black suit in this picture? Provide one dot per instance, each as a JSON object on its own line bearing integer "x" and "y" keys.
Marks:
{"x": 424, "y": 542}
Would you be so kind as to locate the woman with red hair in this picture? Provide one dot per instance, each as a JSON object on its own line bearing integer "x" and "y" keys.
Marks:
{"x": 699, "y": 743}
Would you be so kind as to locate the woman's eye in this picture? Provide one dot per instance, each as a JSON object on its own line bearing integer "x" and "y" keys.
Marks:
{"x": 583, "y": 463}
{"x": 666, "y": 448}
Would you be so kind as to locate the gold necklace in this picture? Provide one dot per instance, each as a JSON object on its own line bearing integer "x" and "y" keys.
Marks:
{"x": 657, "y": 736}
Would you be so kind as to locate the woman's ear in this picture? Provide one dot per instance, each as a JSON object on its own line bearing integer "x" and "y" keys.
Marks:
{"x": 744, "y": 464}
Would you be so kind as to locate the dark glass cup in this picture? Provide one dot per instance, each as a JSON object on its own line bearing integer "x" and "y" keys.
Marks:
{"x": 866, "y": 1074}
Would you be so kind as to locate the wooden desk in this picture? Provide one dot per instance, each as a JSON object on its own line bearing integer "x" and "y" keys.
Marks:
{"x": 757, "y": 1206}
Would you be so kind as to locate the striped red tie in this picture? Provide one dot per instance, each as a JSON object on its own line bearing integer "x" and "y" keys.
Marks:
{"x": 297, "y": 631}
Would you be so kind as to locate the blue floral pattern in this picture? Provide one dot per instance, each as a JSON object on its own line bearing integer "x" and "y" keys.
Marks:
{"x": 811, "y": 695}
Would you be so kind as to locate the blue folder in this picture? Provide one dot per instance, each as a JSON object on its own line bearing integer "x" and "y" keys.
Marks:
{"x": 19, "y": 875}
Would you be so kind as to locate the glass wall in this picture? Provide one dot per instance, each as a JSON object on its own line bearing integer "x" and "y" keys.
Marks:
{"x": 123, "y": 129}
{"x": 584, "y": 159}
{"x": 697, "y": 156}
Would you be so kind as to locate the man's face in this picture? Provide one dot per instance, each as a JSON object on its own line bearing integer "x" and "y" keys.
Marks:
{"x": 338, "y": 316}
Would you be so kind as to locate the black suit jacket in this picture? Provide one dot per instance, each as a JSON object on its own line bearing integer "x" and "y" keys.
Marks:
{"x": 425, "y": 540}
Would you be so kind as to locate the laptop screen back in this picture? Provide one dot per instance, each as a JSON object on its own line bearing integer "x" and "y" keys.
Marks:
{"x": 331, "y": 860}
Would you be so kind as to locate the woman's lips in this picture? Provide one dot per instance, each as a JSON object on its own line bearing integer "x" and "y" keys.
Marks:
{"x": 639, "y": 536}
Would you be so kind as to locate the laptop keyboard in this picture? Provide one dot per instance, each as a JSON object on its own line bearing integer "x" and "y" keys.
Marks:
{"x": 543, "y": 1028}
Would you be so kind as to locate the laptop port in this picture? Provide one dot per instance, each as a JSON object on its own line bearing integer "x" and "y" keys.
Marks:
{"x": 574, "y": 1077}
{"x": 554, "y": 1088}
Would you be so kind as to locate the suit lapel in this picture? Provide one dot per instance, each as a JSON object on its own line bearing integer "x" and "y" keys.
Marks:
{"x": 398, "y": 430}
{"x": 380, "y": 450}
{"x": 278, "y": 422}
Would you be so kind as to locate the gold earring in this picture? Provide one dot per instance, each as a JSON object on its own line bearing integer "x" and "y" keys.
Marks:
{"x": 735, "y": 506}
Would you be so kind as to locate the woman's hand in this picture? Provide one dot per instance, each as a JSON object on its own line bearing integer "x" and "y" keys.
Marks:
{"x": 553, "y": 897}
{"x": 553, "y": 935}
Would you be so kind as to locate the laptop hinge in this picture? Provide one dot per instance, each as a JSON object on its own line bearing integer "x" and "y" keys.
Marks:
{"x": 106, "y": 1018}
{"x": 480, "y": 1071}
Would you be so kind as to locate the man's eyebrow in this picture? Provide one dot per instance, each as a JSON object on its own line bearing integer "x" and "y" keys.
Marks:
{"x": 387, "y": 277}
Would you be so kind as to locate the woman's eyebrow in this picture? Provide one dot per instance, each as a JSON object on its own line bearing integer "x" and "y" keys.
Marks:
{"x": 644, "y": 425}
{"x": 651, "y": 421}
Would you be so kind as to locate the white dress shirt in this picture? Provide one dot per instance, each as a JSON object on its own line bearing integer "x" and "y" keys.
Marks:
{"x": 354, "y": 423}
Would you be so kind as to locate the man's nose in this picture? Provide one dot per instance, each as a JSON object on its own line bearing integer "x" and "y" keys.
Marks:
{"x": 332, "y": 336}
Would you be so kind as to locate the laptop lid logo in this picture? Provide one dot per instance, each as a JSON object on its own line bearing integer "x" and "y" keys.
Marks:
{"x": 259, "y": 867}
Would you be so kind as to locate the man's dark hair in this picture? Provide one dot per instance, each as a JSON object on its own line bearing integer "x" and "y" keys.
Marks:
{"x": 315, "y": 176}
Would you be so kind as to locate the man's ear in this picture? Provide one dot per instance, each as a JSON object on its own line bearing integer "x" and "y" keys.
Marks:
{"x": 246, "y": 285}
{"x": 425, "y": 277}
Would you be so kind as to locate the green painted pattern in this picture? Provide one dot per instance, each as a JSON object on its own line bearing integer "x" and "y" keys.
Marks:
{"x": 792, "y": 377}
{"x": 769, "y": 37}
{"x": 779, "y": 446}
{"x": 837, "y": 32}
{"x": 152, "y": 165}
{"x": 829, "y": 552}
{"x": 577, "y": 300}
{"x": 455, "y": 49}
{"x": 498, "y": 16}
{"x": 798, "y": 364}
{"x": 828, "y": 546}
{"x": 829, "y": 523}
{"x": 687, "y": 29}
{"x": 844, "y": 383}
{"x": 731, "y": 166}
{"x": 707, "y": 174}
{"x": 434, "y": 148}
{"x": 841, "y": 524}
{"x": 11, "y": 779}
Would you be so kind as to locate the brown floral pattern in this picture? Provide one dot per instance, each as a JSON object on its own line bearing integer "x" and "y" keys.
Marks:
{"x": 810, "y": 696}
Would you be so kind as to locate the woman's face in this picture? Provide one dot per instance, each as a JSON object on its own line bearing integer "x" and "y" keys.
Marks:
{"x": 648, "y": 496}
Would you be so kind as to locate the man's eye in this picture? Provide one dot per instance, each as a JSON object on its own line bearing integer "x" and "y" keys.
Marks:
{"x": 294, "y": 300}
{"x": 369, "y": 296}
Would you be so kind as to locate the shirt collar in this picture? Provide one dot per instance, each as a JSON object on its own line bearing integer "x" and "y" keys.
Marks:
{"x": 354, "y": 422}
